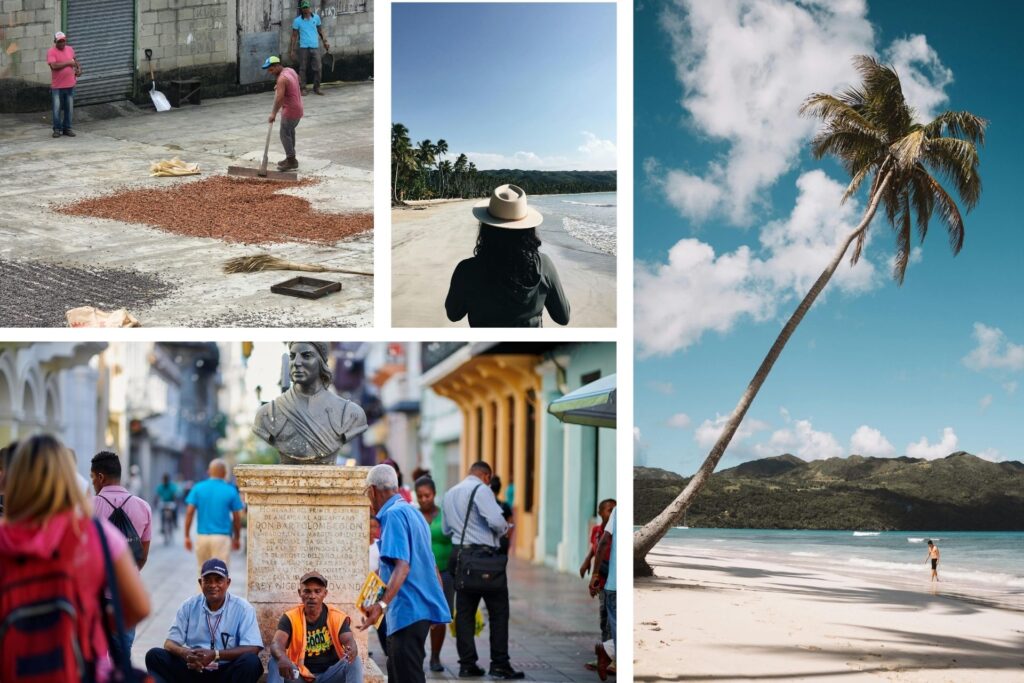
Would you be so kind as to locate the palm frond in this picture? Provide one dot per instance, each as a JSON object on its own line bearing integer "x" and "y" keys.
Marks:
{"x": 957, "y": 160}
{"x": 903, "y": 236}
{"x": 922, "y": 199}
{"x": 949, "y": 214}
{"x": 908, "y": 150}
{"x": 958, "y": 124}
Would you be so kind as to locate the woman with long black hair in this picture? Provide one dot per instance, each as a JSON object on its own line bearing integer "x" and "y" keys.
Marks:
{"x": 507, "y": 282}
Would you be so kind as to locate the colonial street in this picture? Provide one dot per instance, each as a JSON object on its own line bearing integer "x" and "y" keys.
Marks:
{"x": 54, "y": 261}
{"x": 552, "y": 631}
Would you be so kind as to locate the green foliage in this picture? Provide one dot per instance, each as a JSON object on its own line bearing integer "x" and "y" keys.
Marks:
{"x": 419, "y": 172}
{"x": 958, "y": 492}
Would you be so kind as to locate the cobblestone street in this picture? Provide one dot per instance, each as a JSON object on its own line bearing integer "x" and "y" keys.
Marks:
{"x": 553, "y": 628}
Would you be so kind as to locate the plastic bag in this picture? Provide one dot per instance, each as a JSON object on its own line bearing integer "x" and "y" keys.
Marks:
{"x": 478, "y": 628}
{"x": 87, "y": 316}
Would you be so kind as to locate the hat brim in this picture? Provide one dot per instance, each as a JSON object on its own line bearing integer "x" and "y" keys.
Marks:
{"x": 532, "y": 219}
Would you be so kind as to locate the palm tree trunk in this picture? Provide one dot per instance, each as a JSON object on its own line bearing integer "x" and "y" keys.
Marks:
{"x": 648, "y": 536}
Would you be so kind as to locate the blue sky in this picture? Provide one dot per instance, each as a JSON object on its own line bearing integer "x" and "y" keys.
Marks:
{"x": 724, "y": 181}
{"x": 528, "y": 86}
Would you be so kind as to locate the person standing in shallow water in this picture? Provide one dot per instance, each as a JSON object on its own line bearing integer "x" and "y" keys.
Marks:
{"x": 933, "y": 555}
{"x": 507, "y": 282}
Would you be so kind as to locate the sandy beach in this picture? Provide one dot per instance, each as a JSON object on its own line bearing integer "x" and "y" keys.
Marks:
{"x": 705, "y": 617}
{"x": 429, "y": 240}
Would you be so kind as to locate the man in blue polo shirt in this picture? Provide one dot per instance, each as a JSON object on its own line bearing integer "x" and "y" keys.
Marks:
{"x": 219, "y": 530}
{"x": 306, "y": 30}
{"x": 214, "y": 638}
{"x": 413, "y": 599}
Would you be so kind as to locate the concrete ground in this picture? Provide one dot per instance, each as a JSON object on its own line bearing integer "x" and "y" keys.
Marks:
{"x": 61, "y": 255}
{"x": 553, "y": 628}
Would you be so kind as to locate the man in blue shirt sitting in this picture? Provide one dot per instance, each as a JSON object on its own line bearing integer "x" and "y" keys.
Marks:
{"x": 214, "y": 638}
{"x": 306, "y": 30}
{"x": 413, "y": 599}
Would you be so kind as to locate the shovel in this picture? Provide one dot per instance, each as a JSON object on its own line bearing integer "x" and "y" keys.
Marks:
{"x": 159, "y": 101}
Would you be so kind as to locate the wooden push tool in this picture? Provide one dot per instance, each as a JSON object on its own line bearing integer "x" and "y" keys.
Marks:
{"x": 262, "y": 171}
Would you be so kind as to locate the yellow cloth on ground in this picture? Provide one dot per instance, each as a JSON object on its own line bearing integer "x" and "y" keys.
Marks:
{"x": 174, "y": 167}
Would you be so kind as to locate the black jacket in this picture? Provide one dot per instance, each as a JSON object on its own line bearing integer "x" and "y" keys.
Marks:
{"x": 473, "y": 292}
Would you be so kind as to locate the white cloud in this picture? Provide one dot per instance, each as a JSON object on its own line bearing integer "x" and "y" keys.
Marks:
{"x": 636, "y": 435}
{"x": 923, "y": 77}
{"x": 746, "y": 66}
{"x": 930, "y": 451}
{"x": 985, "y": 402}
{"x": 698, "y": 291}
{"x": 803, "y": 441}
{"x": 594, "y": 154}
{"x": 994, "y": 351}
{"x": 679, "y": 421}
{"x": 708, "y": 431}
{"x": 871, "y": 442}
{"x": 991, "y": 454}
{"x": 1010, "y": 387}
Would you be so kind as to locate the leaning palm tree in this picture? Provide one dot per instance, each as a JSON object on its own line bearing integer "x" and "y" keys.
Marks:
{"x": 872, "y": 132}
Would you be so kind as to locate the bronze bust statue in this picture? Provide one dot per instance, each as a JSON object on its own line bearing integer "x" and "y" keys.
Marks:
{"x": 308, "y": 424}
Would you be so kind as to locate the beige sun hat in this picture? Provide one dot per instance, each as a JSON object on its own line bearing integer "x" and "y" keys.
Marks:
{"x": 507, "y": 209}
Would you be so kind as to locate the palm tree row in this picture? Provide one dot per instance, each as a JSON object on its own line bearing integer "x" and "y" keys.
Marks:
{"x": 873, "y": 132}
{"x": 421, "y": 171}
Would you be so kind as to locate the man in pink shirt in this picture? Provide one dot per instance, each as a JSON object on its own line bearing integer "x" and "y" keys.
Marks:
{"x": 116, "y": 505}
{"x": 287, "y": 100}
{"x": 64, "y": 73}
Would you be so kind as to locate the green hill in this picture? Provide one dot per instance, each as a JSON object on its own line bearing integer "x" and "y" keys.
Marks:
{"x": 958, "y": 492}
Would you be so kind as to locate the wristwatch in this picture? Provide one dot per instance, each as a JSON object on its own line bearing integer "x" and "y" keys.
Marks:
{"x": 383, "y": 605}
{"x": 216, "y": 655}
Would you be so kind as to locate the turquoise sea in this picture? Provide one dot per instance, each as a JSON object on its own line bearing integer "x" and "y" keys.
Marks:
{"x": 988, "y": 565}
{"x": 589, "y": 217}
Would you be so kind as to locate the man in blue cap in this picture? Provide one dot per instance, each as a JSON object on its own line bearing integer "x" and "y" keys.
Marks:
{"x": 306, "y": 30}
{"x": 288, "y": 101}
{"x": 214, "y": 638}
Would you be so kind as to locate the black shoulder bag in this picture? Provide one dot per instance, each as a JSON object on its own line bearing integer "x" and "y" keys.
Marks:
{"x": 479, "y": 569}
{"x": 121, "y": 657}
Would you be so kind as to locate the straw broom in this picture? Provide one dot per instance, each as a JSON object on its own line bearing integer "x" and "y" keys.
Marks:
{"x": 261, "y": 262}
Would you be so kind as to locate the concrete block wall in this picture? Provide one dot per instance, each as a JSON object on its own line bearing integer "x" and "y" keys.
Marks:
{"x": 26, "y": 33}
{"x": 349, "y": 33}
{"x": 185, "y": 33}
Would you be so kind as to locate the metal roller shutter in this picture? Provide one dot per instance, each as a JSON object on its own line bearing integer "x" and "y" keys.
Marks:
{"x": 103, "y": 35}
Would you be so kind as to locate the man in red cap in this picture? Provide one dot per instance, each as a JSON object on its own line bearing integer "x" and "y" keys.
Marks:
{"x": 64, "y": 73}
{"x": 314, "y": 641}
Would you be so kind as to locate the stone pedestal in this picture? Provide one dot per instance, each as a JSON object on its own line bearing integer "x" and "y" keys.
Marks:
{"x": 303, "y": 518}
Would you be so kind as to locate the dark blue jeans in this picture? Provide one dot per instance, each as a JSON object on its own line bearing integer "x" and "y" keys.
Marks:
{"x": 63, "y": 100}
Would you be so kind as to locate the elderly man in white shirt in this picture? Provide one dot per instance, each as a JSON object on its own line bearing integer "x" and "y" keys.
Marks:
{"x": 474, "y": 520}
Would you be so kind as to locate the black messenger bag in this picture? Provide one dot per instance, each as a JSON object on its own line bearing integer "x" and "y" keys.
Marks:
{"x": 479, "y": 569}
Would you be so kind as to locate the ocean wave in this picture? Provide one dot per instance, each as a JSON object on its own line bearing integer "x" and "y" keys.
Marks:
{"x": 603, "y": 206}
{"x": 800, "y": 553}
{"x": 966, "y": 576}
{"x": 914, "y": 539}
{"x": 867, "y": 533}
{"x": 597, "y": 235}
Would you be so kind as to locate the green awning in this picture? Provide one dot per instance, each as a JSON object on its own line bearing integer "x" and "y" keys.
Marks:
{"x": 592, "y": 404}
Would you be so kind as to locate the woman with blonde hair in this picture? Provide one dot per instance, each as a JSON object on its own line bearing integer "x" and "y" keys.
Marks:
{"x": 52, "y": 561}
